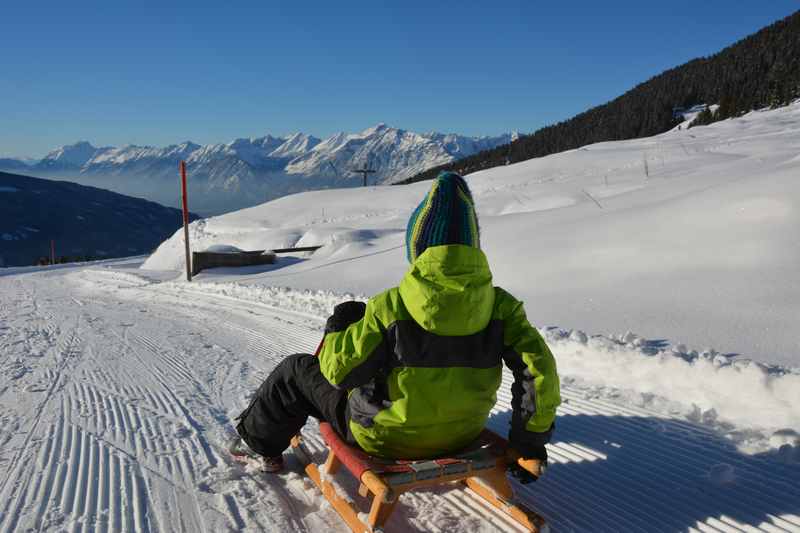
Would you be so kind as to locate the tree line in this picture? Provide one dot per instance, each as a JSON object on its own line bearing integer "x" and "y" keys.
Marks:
{"x": 761, "y": 70}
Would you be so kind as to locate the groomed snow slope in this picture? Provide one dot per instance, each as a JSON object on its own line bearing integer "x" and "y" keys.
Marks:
{"x": 695, "y": 248}
{"x": 117, "y": 393}
{"x": 703, "y": 251}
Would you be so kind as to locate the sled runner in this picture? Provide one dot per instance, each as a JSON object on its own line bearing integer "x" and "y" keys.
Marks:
{"x": 481, "y": 466}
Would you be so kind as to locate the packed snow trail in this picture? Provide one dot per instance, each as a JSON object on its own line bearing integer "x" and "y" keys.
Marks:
{"x": 117, "y": 394}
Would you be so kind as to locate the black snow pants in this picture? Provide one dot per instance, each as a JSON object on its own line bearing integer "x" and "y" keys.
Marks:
{"x": 295, "y": 390}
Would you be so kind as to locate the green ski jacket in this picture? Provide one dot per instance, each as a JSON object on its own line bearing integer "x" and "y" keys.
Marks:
{"x": 424, "y": 364}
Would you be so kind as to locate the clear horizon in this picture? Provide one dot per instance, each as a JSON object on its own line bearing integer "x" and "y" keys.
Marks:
{"x": 155, "y": 75}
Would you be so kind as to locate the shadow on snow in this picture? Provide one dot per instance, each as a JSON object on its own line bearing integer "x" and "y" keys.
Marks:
{"x": 654, "y": 474}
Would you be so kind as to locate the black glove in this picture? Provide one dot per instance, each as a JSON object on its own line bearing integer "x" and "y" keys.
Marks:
{"x": 344, "y": 314}
{"x": 524, "y": 476}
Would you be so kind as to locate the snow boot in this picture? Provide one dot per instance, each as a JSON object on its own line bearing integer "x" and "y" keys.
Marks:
{"x": 245, "y": 454}
{"x": 272, "y": 465}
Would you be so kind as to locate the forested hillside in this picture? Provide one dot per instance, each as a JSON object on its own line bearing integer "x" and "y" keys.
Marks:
{"x": 760, "y": 70}
{"x": 85, "y": 222}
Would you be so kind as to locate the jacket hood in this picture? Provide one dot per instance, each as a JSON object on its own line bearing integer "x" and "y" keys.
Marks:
{"x": 448, "y": 290}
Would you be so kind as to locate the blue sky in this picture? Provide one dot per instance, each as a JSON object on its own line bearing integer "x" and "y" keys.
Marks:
{"x": 116, "y": 73}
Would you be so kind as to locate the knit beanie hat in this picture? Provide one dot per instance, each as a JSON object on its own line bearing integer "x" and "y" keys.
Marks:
{"x": 446, "y": 216}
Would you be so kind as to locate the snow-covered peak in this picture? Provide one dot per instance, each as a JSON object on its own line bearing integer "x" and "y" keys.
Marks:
{"x": 214, "y": 151}
{"x": 132, "y": 153}
{"x": 75, "y": 155}
{"x": 333, "y": 142}
{"x": 378, "y": 128}
{"x": 187, "y": 146}
{"x": 268, "y": 142}
{"x": 462, "y": 146}
{"x": 295, "y": 145}
{"x": 250, "y": 151}
{"x": 394, "y": 153}
{"x": 245, "y": 149}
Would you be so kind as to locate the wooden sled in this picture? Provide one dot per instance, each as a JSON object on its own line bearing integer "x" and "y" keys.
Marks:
{"x": 481, "y": 466}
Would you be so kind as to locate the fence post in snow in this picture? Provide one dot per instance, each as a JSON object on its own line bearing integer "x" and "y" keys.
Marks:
{"x": 185, "y": 221}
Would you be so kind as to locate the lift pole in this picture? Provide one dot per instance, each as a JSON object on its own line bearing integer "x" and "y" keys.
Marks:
{"x": 364, "y": 171}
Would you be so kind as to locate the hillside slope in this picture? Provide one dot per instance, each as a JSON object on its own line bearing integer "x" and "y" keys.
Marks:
{"x": 700, "y": 251}
{"x": 760, "y": 70}
{"x": 83, "y": 221}
{"x": 13, "y": 165}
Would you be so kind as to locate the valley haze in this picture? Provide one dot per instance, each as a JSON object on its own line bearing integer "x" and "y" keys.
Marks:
{"x": 249, "y": 171}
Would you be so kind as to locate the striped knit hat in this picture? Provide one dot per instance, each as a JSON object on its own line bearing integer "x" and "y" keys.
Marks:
{"x": 446, "y": 216}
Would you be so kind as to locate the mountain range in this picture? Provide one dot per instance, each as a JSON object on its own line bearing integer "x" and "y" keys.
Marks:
{"x": 247, "y": 172}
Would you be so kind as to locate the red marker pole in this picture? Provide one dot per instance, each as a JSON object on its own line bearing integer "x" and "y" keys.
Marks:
{"x": 52, "y": 252}
{"x": 185, "y": 221}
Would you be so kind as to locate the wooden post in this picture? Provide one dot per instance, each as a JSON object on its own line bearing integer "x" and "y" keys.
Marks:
{"x": 52, "y": 251}
{"x": 185, "y": 221}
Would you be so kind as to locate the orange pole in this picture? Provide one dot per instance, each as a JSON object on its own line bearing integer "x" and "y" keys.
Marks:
{"x": 185, "y": 221}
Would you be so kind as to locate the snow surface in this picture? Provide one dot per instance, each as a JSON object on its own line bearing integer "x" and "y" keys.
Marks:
{"x": 223, "y": 249}
{"x": 118, "y": 384}
{"x": 702, "y": 252}
{"x": 118, "y": 387}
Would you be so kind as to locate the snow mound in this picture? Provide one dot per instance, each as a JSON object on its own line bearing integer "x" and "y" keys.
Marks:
{"x": 315, "y": 304}
{"x": 213, "y": 235}
{"x": 706, "y": 387}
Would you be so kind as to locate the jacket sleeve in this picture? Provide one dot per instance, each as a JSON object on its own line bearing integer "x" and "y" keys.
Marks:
{"x": 535, "y": 391}
{"x": 353, "y": 356}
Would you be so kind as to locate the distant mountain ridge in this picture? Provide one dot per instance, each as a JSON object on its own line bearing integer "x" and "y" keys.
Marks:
{"x": 10, "y": 163}
{"x": 83, "y": 221}
{"x": 246, "y": 172}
